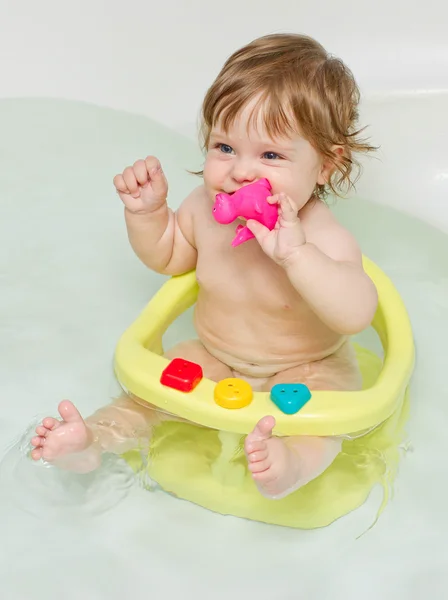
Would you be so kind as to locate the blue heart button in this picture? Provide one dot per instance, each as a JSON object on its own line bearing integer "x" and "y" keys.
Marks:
{"x": 290, "y": 397}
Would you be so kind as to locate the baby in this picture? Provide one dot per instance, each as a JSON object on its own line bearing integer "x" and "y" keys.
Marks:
{"x": 279, "y": 308}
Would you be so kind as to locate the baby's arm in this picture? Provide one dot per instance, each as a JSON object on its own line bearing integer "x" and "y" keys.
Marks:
{"x": 327, "y": 271}
{"x": 161, "y": 238}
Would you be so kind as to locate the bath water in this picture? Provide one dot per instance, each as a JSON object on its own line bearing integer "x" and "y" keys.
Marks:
{"x": 70, "y": 285}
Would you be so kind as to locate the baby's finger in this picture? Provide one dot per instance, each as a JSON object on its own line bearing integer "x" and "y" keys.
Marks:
{"x": 120, "y": 184}
{"x": 157, "y": 177}
{"x": 131, "y": 182}
{"x": 152, "y": 165}
{"x": 287, "y": 209}
{"x": 260, "y": 231}
{"x": 140, "y": 172}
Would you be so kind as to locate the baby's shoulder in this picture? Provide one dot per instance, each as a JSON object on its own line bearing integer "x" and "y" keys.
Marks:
{"x": 324, "y": 231}
{"x": 195, "y": 202}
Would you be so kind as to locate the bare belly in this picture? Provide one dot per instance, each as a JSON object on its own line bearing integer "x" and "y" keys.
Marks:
{"x": 258, "y": 344}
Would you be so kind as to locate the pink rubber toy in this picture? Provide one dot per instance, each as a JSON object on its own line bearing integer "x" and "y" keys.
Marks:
{"x": 248, "y": 202}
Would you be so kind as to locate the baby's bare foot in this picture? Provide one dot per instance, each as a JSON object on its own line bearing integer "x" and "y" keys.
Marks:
{"x": 275, "y": 467}
{"x": 58, "y": 439}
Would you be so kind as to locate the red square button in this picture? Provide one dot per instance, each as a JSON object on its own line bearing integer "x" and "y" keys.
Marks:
{"x": 181, "y": 375}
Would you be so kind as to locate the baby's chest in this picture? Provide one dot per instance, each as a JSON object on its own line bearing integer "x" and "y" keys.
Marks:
{"x": 242, "y": 275}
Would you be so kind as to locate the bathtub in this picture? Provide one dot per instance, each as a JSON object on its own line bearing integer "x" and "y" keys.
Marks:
{"x": 71, "y": 285}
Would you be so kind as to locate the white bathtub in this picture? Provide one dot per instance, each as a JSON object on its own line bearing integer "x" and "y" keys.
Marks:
{"x": 70, "y": 285}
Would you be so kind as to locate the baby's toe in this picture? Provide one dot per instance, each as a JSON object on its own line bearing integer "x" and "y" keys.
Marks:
{"x": 258, "y": 456}
{"x": 42, "y": 431}
{"x": 37, "y": 441}
{"x": 254, "y": 445}
{"x": 265, "y": 477}
{"x": 36, "y": 454}
{"x": 259, "y": 467}
{"x": 50, "y": 423}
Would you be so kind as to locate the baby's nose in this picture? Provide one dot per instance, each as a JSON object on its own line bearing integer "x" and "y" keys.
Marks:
{"x": 244, "y": 172}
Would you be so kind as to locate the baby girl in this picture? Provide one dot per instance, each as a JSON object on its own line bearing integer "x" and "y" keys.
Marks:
{"x": 279, "y": 308}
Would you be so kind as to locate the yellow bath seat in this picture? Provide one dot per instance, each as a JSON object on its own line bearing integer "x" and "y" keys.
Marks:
{"x": 139, "y": 364}
{"x": 206, "y": 465}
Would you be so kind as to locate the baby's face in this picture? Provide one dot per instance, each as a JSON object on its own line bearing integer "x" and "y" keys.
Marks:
{"x": 246, "y": 153}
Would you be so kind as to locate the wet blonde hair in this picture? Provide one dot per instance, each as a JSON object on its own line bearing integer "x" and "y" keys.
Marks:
{"x": 300, "y": 89}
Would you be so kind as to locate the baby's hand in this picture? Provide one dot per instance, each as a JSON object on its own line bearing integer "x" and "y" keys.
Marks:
{"x": 285, "y": 239}
{"x": 143, "y": 187}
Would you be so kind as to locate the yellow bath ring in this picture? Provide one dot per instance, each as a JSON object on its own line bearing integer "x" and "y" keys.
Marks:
{"x": 139, "y": 364}
{"x": 207, "y": 465}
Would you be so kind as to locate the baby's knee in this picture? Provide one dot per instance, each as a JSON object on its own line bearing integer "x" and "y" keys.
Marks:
{"x": 337, "y": 372}
{"x": 338, "y": 376}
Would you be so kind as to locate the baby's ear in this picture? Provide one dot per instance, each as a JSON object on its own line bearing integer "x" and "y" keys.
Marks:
{"x": 329, "y": 165}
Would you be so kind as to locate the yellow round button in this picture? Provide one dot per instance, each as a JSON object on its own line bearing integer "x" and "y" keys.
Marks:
{"x": 233, "y": 393}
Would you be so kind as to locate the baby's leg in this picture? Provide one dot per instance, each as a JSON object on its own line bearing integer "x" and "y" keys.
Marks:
{"x": 75, "y": 444}
{"x": 281, "y": 465}
{"x": 125, "y": 424}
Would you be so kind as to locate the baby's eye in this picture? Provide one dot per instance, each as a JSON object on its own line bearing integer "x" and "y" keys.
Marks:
{"x": 271, "y": 155}
{"x": 225, "y": 148}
